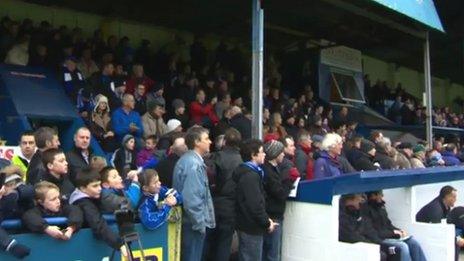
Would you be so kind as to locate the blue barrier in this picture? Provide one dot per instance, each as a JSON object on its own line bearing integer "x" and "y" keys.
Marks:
{"x": 83, "y": 245}
{"x": 321, "y": 191}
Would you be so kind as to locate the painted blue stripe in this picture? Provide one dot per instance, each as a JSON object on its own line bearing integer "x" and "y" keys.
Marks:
{"x": 321, "y": 191}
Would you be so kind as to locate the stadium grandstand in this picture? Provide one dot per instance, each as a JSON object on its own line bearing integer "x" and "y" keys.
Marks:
{"x": 134, "y": 130}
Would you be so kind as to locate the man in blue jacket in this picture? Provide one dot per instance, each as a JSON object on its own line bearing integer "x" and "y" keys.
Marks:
{"x": 191, "y": 181}
{"x": 127, "y": 121}
{"x": 450, "y": 155}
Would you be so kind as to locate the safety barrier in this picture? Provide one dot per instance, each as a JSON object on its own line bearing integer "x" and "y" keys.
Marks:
{"x": 160, "y": 244}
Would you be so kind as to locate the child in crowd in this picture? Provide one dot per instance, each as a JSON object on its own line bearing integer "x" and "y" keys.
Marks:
{"x": 124, "y": 158}
{"x": 15, "y": 197}
{"x": 87, "y": 197}
{"x": 48, "y": 204}
{"x": 117, "y": 192}
{"x": 156, "y": 201}
{"x": 97, "y": 163}
{"x": 56, "y": 167}
{"x": 147, "y": 153}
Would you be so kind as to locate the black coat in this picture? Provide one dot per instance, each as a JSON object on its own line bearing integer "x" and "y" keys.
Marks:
{"x": 65, "y": 185}
{"x": 433, "y": 212}
{"x": 94, "y": 219}
{"x": 345, "y": 165}
{"x": 34, "y": 218}
{"x": 385, "y": 161}
{"x": 165, "y": 169}
{"x": 36, "y": 169}
{"x": 221, "y": 128}
{"x": 76, "y": 162}
{"x": 353, "y": 227}
{"x": 277, "y": 188}
{"x": 225, "y": 162}
{"x": 353, "y": 154}
{"x": 364, "y": 162}
{"x": 242, "y": 124}
{"x": 378, "y": 215}
{"x": 15, "y": 204}
{"x": 120, "y": 164}
{"x": 250, "y": 201}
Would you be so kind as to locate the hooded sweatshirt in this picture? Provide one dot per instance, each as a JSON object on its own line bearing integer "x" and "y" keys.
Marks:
{"x": 94, "y": 219}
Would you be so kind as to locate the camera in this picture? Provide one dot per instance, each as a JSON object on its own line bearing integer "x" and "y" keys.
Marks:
{"x": 125, "y": 219}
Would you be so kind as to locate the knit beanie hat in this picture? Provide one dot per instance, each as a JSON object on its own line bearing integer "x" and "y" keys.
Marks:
{"x": 367, "y": 146}
{"x": 173, "y": 124}
{"x": 317, "y": 138}
{"x": 273, "y": 149}
{"x": 418, "y": 148}
{"x": 126, "y": 138}
{"x": 178, "y": 103}
{"x": 153, "y": 103}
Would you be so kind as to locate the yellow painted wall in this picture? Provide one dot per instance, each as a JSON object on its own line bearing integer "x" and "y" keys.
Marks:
{"x": 158, "y": 36}
{"x": 443, "y": 91}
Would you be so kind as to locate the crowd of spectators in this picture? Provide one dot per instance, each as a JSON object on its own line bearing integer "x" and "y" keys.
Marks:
{"x": 406, "y": 109}
{"x": 159, "y": 128}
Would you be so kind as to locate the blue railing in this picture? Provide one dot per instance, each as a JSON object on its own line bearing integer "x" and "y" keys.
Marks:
{"x": 321, "y": 191}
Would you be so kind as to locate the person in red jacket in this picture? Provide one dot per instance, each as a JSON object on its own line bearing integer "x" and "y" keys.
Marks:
{"x": 139, "y": 77}
{"x": 202, "y": 113}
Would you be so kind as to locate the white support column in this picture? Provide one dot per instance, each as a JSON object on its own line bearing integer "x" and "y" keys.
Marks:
{"x": 257, "y": 69}
{"x": 428, "y": 89}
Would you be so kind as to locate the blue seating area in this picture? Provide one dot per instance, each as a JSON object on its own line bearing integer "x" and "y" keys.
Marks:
{"x": 30, "y": 93}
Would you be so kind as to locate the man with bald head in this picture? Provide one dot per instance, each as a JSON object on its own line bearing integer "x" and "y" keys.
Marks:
{"x": 240, "y": 122}
{"x": 79, "y": 157}
{"x": 125, "y": 120}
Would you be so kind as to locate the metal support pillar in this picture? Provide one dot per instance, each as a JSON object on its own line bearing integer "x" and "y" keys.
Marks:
{"x": 257, "y": 69}
{"x": 428, "y": 90}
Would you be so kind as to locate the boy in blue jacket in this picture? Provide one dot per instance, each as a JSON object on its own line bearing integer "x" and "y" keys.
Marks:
{"x": 117, "y": 192}
{"x": 156, "y": 201}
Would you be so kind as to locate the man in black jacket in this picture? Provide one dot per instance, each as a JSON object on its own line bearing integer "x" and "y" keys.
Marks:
{"x": 365, "y": 161}
{"x": 381, "y": 156}
{"x": 225, "y": 162}
{"x": 439, "y": 207}
{"x": 277, "y": 186}
{"x": 79, "y": 157}
{"x": 353, "y": 227}
{"x": 45, "y": 138}
{"x": 252, "y": 220}
{"x": 165, "y": 167}
{"x": 240, "y": 122}
{"x": 375, "y": 210}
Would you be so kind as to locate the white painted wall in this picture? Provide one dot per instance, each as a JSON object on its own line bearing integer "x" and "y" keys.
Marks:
{"x": 437, "y": 240}
{"x": 317, "y": 239}
{"x": 310, "y": 231}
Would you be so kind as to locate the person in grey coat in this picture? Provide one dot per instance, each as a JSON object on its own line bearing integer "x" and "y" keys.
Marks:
{"x": 190, "y": 179}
